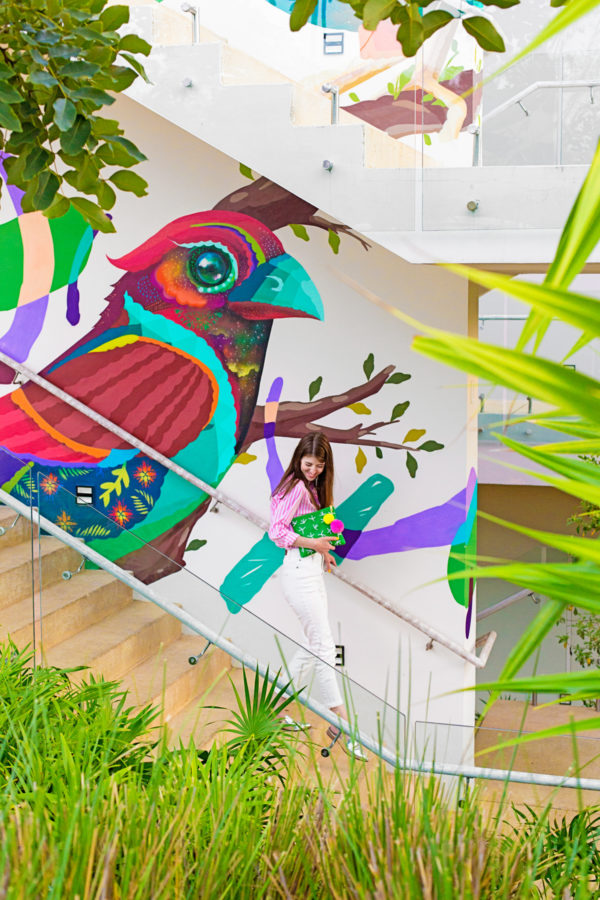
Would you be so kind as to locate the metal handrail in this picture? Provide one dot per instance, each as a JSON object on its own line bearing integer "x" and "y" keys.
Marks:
{"x": 432, "y": 633}
{"x": 536, "y": 86}
{"x": 508, "y": 601}
{"x": 376, "y": 747}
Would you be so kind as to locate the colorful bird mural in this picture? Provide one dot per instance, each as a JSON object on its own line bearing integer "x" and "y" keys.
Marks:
{"x": 176, "y": 359}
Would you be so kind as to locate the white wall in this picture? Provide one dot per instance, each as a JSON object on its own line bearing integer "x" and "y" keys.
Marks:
{"x": 187, "y": 176}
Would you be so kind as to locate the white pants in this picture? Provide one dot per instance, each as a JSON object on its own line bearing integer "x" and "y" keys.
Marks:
{"x": 304, "y": 590}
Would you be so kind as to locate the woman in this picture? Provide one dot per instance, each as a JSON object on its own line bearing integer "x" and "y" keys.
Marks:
{"x": 306, "y": 485}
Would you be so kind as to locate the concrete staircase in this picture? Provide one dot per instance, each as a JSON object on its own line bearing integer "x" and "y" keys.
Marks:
{"x": 93, "y": 620}
{"x": 377, "y": 186}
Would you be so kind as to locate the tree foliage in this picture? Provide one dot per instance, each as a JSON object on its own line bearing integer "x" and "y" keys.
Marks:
{"x": 61, "y": 62}
{"x": 415, "y": 23}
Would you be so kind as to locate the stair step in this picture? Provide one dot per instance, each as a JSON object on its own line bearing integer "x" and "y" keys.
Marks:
{"x": 13, "y": 534}
{"x": 169, "y": 681}
{"x": 202, "y": 719}
{"x": 67, "y": 608}
{"x": 119, "y": 642}
{"x": 16, "y": 571}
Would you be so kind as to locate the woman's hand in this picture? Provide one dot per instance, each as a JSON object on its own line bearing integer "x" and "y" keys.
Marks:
{"x": 330, "y": 562}
{"x": 323, "y": 545}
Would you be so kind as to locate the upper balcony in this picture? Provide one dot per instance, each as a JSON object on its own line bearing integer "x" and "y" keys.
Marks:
{"x": 396, "y": 149}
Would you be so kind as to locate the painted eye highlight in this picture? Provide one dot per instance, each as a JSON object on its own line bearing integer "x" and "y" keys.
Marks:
{"x": 212, "y": 267}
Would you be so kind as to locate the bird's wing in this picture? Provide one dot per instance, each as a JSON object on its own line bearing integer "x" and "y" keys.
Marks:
{"x": 154, "y": 391}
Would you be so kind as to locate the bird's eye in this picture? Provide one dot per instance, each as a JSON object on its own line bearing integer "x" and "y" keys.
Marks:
{"x": 212, "y": 267}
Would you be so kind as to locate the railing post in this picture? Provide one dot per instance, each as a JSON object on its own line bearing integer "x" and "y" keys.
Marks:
{"x": 335, "y": 101}
{"x": 194, "y": 12}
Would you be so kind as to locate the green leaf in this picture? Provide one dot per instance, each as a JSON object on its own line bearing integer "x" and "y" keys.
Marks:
{"x": 506, "y": 4}
{"x": 378, "y": 452}
{"x": 196, "y": 544}
{"x": 484, "y": 33}
{"x": 101, "y": 127}
{"x": 369, "y": 365}
{"x": 74, "y": 139}
{"x": 300, "y": 232}
{"x": 105, "y": 194}
{"x": 411, "y": 464}
{"x": 435, "y": 20}
{"x": 333, "y": 239}
{"x": 430, "y": 446}
{"x": 360, "y": 460}
{"x": 301, "y": 13}
{"x": 130, "y": 181}
{"x": 59, "y": 207}
{"x": 9, "y": 94}
{"x": 119, "y": 151}
{"x": 47, "y": 186}
{"x": 354, "y": 97}
{"x": 359, "y": 408}
{"x": 413, "y": 435}
{"x": 64, "y": 114}
{"x": 37, "y": 159}
{"x": 78, "y": 68}
{"x": 398, "y": 378}
{"x": 427, "y": 140}
{"x": 42, "y": 78}
{"x": 246, "y": 171}
{"x": 411, "y": 35}
{"x": 92, "y": 214}
{"x": 95, "y": 95}
{"x": 8, "y": 119}
{"x": 135, "y": 44}
{"x": 399, "y": 410}
{"x": 376, "y": 10}
{"x": 314, "y": 387}
{"x": 136, "y": 66}
{"x": 114, "y": 16}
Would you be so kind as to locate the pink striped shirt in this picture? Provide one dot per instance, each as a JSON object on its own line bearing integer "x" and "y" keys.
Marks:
{"x": 283, "y": 509}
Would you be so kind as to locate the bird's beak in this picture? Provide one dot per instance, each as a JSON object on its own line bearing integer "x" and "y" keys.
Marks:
{"x": 277, "y": 289}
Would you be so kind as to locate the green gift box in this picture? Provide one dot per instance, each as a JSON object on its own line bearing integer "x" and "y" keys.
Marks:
{"x": 320, "y": 523}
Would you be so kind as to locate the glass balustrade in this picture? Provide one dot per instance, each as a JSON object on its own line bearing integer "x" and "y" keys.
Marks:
{"x": 87, "y": 637}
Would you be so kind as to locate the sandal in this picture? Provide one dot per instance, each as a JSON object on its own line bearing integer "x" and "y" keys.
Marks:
{"x": 290, "y": 724}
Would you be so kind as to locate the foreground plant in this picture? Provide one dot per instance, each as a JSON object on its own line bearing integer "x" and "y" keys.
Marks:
{"x": 62, "y": 61}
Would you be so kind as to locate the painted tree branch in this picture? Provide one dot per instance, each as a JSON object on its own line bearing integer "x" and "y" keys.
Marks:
{"x": 295, "y": 419}
{"x": 276, "y": 207}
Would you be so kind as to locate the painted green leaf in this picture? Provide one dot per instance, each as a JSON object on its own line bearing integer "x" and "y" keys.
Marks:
{"x": 130, "y": 181}
{"x": 301, "y": 13}
{"x": 360, "y": 460}
{"x": 369, "y": 365}
{"x": 484, "y": 33}
{"x": 333, "y": 240}
{"x": 196, "y": 544}
{"x": 378, "y": 452}
{"x": 399, "y": 410}
{"x": 427, "y": 140}
{"x": 246, "y": 171}
{"x": 64, "y": 113}
{"x": 398, "y": 378}
{"x": 430, "y": 446}
{"x": 244, "y": 458}
{"x": 360, "y": 409}
{"x": 427, "y": 98}
{"x": 314, "y": 387}
{"x": 411, "y": 464}
{"x": 300, "y": 232}
{"x": 353, "y": 97}
{"x": 413, "y": 435}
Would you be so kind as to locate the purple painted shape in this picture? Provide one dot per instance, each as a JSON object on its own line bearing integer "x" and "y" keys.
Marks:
{"x": 469, "y": 610}
{"x": 24, "y": 331}
{"x": 73, "y": 315}
{"x": 15, "y": 193}
{"x": 8, "y": 466}
{"x": 274, "y": 468}
{"x": 434, "y": 527}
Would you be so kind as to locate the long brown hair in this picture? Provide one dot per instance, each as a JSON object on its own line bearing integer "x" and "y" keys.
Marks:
{"x": 310, "y": 445}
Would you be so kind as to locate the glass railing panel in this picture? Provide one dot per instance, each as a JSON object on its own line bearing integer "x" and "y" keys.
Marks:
{"x": 480, "y": 745}
{"x": 104, "y": 531}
